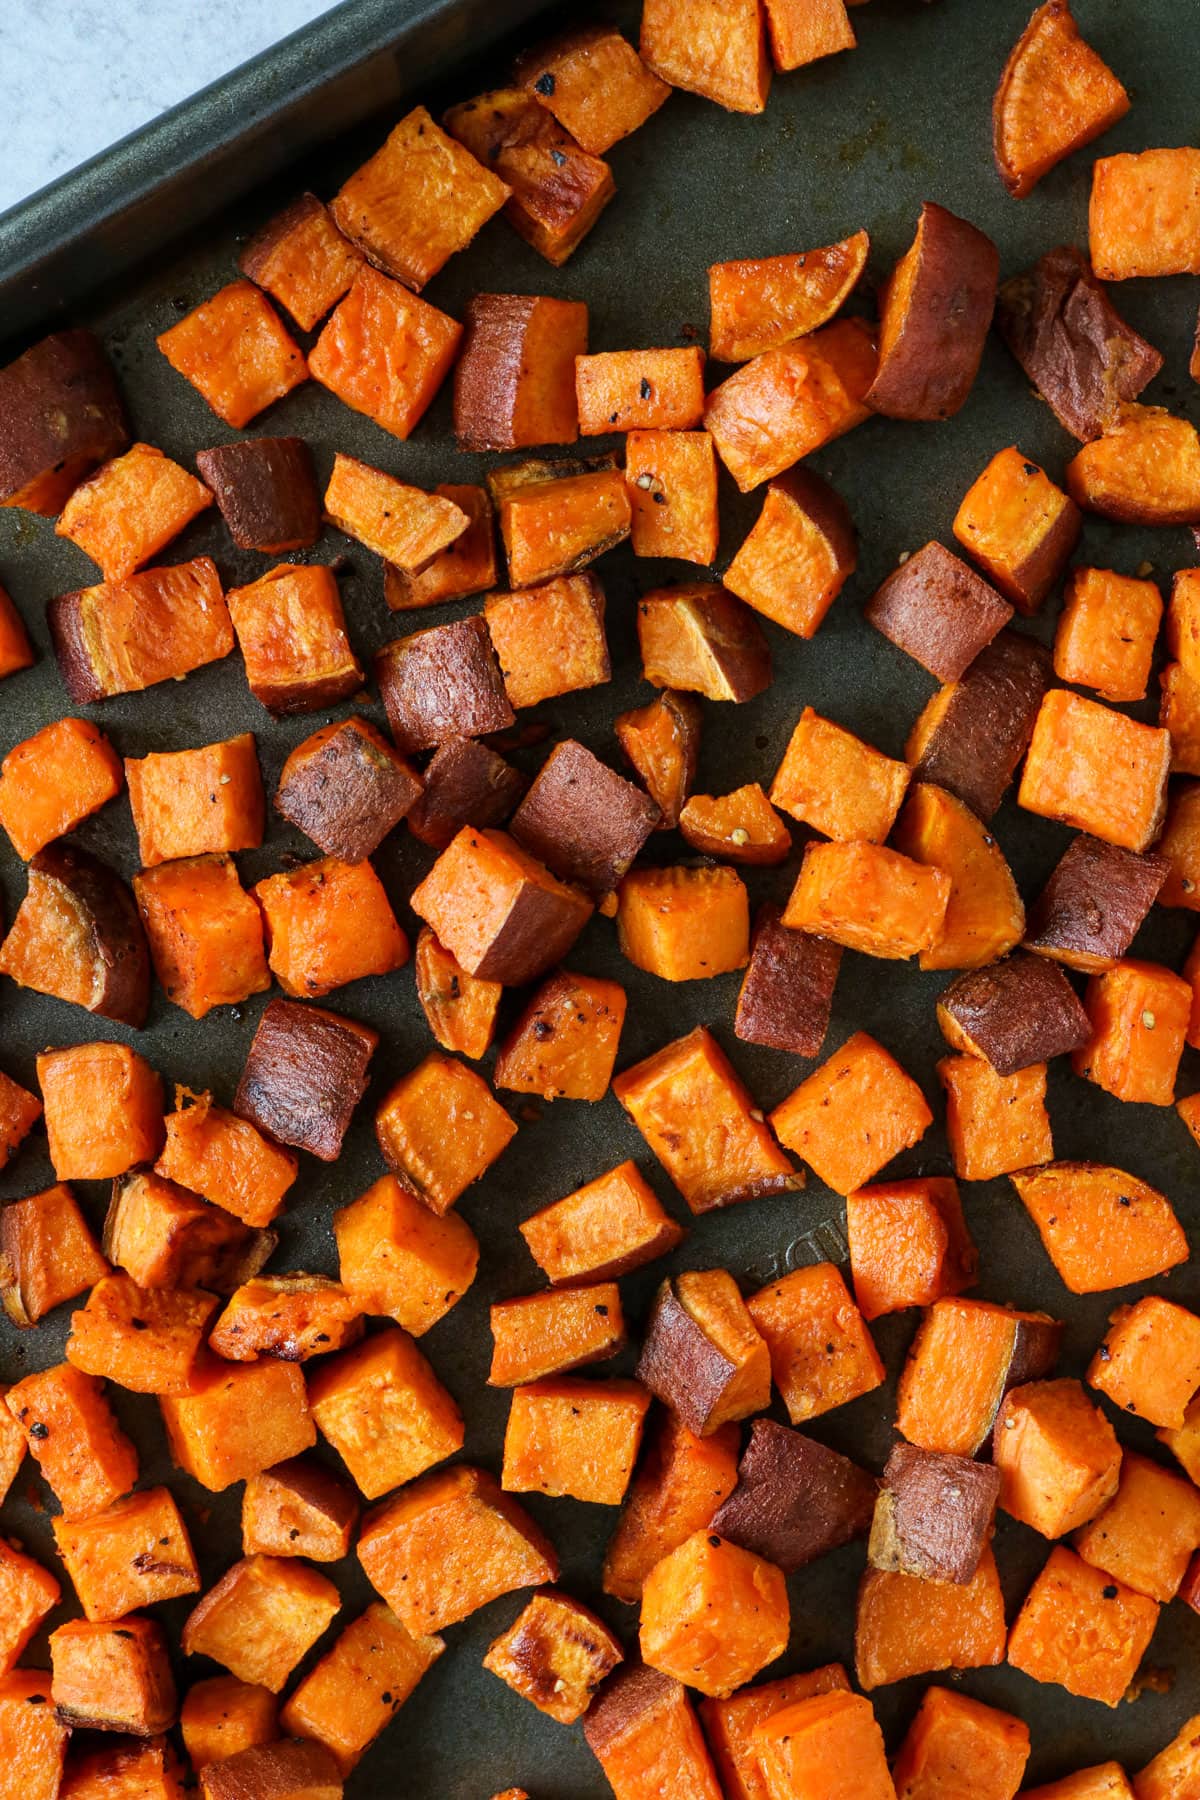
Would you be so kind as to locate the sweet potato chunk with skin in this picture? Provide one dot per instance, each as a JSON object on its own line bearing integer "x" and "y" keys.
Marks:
{"x": 680, "y": 1484}
{"x": 385, "y": 353}
{"x": 1140, "y": 1013}
{"x": 385, "y": 1412}
{"x": 827, "y": 1745}
{"x": 795, "y": 1500}
{"x": 1145, "y": 470}
{"x": 1149, "y": 1362}
{"x": 606, "y": 1228}
{"x": 235, "y": 352}
{"x": 103, "y": 1110}
{"x": 77, "y": 937}
{"x": 994, "y": 1123}
{"x": 1018, "y": 526}
{"x": 359, "y": 1685}
{"x": 222, "y": 1716}
{"x": 1081, "y": 1631}
{"x": 514, "y": 383}
{"x": 718, "y": 51}
{"x": 973, "y": 732}
{"x": 400, "y": 1259}
{"x": 662, "y": 741}
{"x": 440, "y": 1129}
{"x": 292, "y": 635}
{"x": 298, "y": 1508}
{"x": 305, "y": 1073}
{"x": 791, "y": 400}
{"x": 1146, "y": 1535}
{"x": 852, "y": 1115}
{"x": 403, "y": 524}
{"x": 498, "y": 911}
{"x": 1075, "y": 348}
{"x": 557, "y": 190}
{"x": 909, "y": 1244}
{"x": 113, "y": 1677}
{"x": 130, "y": 509}
{"x": 29, "y": 1593}
{"x": 684, "y": 924}
{"x": 759, "y": 304}
{"x": 822, "y": 1354}
{"x": 306, "y": 911}
{"x": 1179, "y": 848}
{"x": 449, "y": 1544}
{"x": 441, "y": 683}
{"x": 984, "y": 917}
{"x": 467, "y": 566}
{"x": 564, "y": 1044}
{"x": 53, "y": 781}
{"x": 266, "y": 490}
{"x": 264, "y": 1614}
{"x": 691, "y": 1107}
{"x": 935, "y": 311}
{"x": 238, "y": 1419}
{"x": 549, "y": 640}
{"x": 123, "y": 637}
{"x": 1057, "y": 1455}
{"x": 671, "y": 477}
{"x": 549, "y": 1333}
{"x": 133, "y": 1554}
{"x": 555, "y": 1655}
{"x": 1144, "y": 214}
{"x": 867, "y": 898}
{"x": 83, "y": 1455}
{"x": 574, "y": 1439}
{"x": 19, "y": 1113}
{"x": 302, "y": 260}
{"x": 1097, "y": 770}
{"x": 205, "y": 933}
{"x": 939, "y": 611}
{"x": 906, "y": 1626}
{"x": 417, "y": 201}
{"x": 644, "y": 1734}
{"x": 62, "y": 417}
{"x": 966, "y": 1356}
{"x": 1055, "y": 96}
{"x": 206, "y": 801}
{"x": 650, "y": 390}
{"x": 799, "y": 554}
{"x": 35, "y": 1742}
{"x": 701, "y": 1354}
{"x": 283, "y": 1771}
{"x": 466, "y": 783}
{"x": 700, "y": 638}
{"x": 555, "y": 519}
{"x": 1090, "y": 910}
{"x": 293, "y": 1317}
{"x": 838, "y": 784}
{"x": 164, "y": 1236}
{"x": 47, "y": 1254}
{"x": 225, "y": 1159}
{"x": 1106, "y": 632}
{"x": 346, "y": 788}
{"x": 956, "y": 1739}
{"x": 595, "y": 84}
{"x": 1018, "y": 1012}
{"x": 149, "y": 1340}
{"x": 933, "y": 1516}
{"x": 713, "y": 1614}
{"x": 16, "y": 652}
{"x": 586, "y": 823}
{"x": 786, "y": 997}
{"x": 459, "y": 1008}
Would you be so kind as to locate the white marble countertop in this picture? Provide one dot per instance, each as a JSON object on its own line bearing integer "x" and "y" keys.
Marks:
{"x": 79, "y": 74}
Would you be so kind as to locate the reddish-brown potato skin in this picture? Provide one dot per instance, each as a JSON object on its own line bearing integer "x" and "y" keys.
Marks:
{"x": 686, "y": 719}
{"x": 305, "y": 1074}
{"x": 795, "y": 1499}
{"x": 935, "y": 322}
{"x": 632, "y": 1690}
{"x": 1075, "y": 348}
{"x": 584, "y": 821}
{"x": 934, "y": 1514}
{"x": 938, "y": 610}
{"x": 493, "y": 363}
{"x": 732, "y": 635}
{"x": 441, "y": 683}
{"x": 680, "y": 1364}
{"x": 266, "y": 489}
{"x": 60, "y": 417}
{"x": 225, "y": 1253}
{"x": 1016, "y": 1012}
{"x": 1090, "y": 910}
{"x": 348, "y": 793}
{"x": 986, "y": 728}
{"x": 466, "y": 783}
{"x": 787, "y": 992}
{"x": 290, "y": 1770}
{"x": 109, "y": 925}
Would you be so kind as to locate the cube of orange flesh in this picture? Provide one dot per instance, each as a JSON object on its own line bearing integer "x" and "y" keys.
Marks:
{"x": 797, "y": 557}
{"x": 359, "y": 1685}
{"x": 871, "y": 899}
{"x": 1106, "y": 632}
{"x": 1102, "y": 1227}
{"x": 682, "y": 923}
{"x": 953, "y": 1380}
{"x": 1143, "y": 217}
{"x": 133, "y": 1554}
{"x": 1146, "y": 1535}
{"x": 564, "y": 1044}
{"x": 713, "y": 1614}
{"x": 1145, "y": 470}
{"x": 1140, "y": 1014}
{"x": 115, "y": 1677}
{"x": 479, "y": 886}
{"x": 402, "y": 1260}
{"x": 555, "y": 1655}
{"x": 466, "y": 566}
{"x": 573, "y": 1438}
{"x": 149, "y": 1340}
{"x": 27, "y": 1593}
{"x": 822, "y": 1354}
{"x": 236, "y": 1420}
{"x": 803, "y": 31}
{"x": 157, "y": 625}
{"x": 1174, "y": 1766}
{"x": 1097, "y": 770}
{"x": 719, "y": 50}
{"x": 460, "y": 1008}
{"x": 196, "y": 802}
{"x": 84, "y": 1456}
{"x": 556, "y": 527}
{"x": 291, "y": 631}
{"x": 19, "y": 1113}
{"x": 440, "y": 1129}
{"x": 385, "y": 1412}
{"x": 1058, "y": 1456}
{"x": 606, "y": 1228}
{"x": 222, "y": 1715}
{"x": 985, "y": 916}
{"x": 647, "y": 1739}
{"x": 548, "y": 1333}
{"x": 909, "y": 1244}
{"x": 53, "y": 781}
{"x": 1019, "y": 526}
{"x": 995, "y": 1123}
{"x": 34, "y": 1740}
{"x": 654, "y": 390}
{"x": 130, "y": 509}
{"x": 49, "y": 1254}
{"x": 405, "y": 525}
{"x": 730, "y": 1725}
{"x": 226, "y": 1159}
{"x": 294, "y": 1317}
{"x": 549, "y": 640}
{"x": 384, "y": 352}
{"x": 263, "y": 1615}
{"x": 235, "y": 352}
{"x": 298, "y": 1508}
{"x": 302, "y": 260}
{"x": 671, "y": 477}
{"x": 829, "y": 1745}
{"x": 907, "y": 1626}
{"x": 956, "y": 1738}
{"x": 328, "y": 923}
{"x": 838, "y": 784}
{"x": 204, "y": 931}
{"x": 853, "y": 1115}
{"x": 1080, "y": 1630}
{"x": 677, "y": 1489}
{"x": 601, "y": 90}
{"x": 1149, "y": 1362}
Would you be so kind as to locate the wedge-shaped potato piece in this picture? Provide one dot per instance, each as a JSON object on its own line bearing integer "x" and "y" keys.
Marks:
{"x": 298, "y": 1508}
{"x": 938, "y": 610}
{"x": 934, "y": 1515}
{"x": 791, "y": 400}
{"x": 385, "y": 353}
{"x": 798, "y": 556}
{"x": 293, "y": 1317}
{"x": 1144, "y": 216}
{"x": 795, "y": 1499}
{"x": 1091, "y": 908}
{"x": 302, "y": 260}
{"x": 62, "y": 416}
{"x": 935, "y": 312}
{"x": 291, "y": 631}
{"x": 460, "y": 1009}
{"x": 467, "y": 566}
{"x": 718, "y": 49}
{"x": 662, "y": 741}
{"x": 966, "y": 1356}
{"x": 984, "y": 916}
{"x": 713, "y": 1614}
{"x": 1020, "y": 1012}
{"x": 557, "y": 517}
{"x": 701, "y": 1354}
{"x": 760, "y": 304}
{"x": 1101, "y": 1227}
{"x": 741, "y": 827}
{"x": 514, "y": 384}
{"x": 698, "y": 637}
{"x": 1055, "y": 96}
{"x": 1019, "y": 526}
{"x": 501, "y": 914}
{"x": 555, "y": 1655}
{"x": 403, "y": 524}
{"x": 77, "y": 936}
{"x": 1098, "y": 770}
{"x": 595, "y": 84}
{"x": 1145, "y": 470}
{"x": 786, "y": 998}
{"x": 159, "y": 625}
{"x": 974, "y": 731}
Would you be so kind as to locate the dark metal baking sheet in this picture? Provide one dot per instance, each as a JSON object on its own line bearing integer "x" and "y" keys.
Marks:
{"x": 859, "y": 140}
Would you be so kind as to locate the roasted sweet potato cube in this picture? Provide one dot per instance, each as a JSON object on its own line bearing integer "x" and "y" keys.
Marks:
{"x": 604, "y": 1229}
{"x": 556, "y": 518}
{"x": 226, "y": 1159}
{"x": 405, "y": 525}
{"x": 499, "y": 912}
{"x": 267, "y": 492}
{"x": 130, "y": 509}
{"x": 305, "y": 1073}
{"x": 205, "y": 801}
{"x": 909, "y": 1244}
{"x": 786, "y": 996}
{"x": 1148, "y": 1362}
{"x": 557, "y": 189}
{"x": 205, "y": 933}
{"x": 16, "y": 652}
{"x": 742, "y": 826}
{"x": 34, "y": 1739}
{"x": 939, "y": 611}
{"x": 401, "y": 1259}
{"x": 1055, "y": 95}
{"x": 1057, "y": 1456}
{"x": 1179, "y": 848}
{"x": 966, "y": 1356}
{"x": 103, "y": 1110}
{"x": 803, "y": 31}
{"x": 803, "y": 1747}
{"x": 466, "y": 783}
{"x": 133, "y": 1554}
{"x": 148, "y": 1340}
{"x": 555, "y": 1655}
{"x": 798, "y": 556}
{"x": 572, "y": 1438}
{"x": 121, "y": 637}
{"x": 238, "y": 1419}
{"x": 1148, "y": 1531}
{"x": 1175, "y": 1763}
{"x": 719, "y": 51}
{"x": 1102, "y": 1228}
{"x": 690, "y": 1105}
{"x": 553, "y": 1332}
{"x": 12, "y": 1447}
{"x": 328, "y": 923}
{"x": 1076, "y": 349}
{"x": 1144, "y": 216}
{"x": 564, "y": 1044}
{"x": 83, "y": 1455}
{"x": 595, "y": 84}
{"x": 222, "y": 1715}
{"x": 1016, "y": 1013}
{"x": 130, "y": 1767}
{"x": 47, "y": 1254}
{"x": 853, "y": 1115}
{"x": 584, "y": 822}
{"x": 346, "y": 788}
{"x": 449, "y": 1544}
{"x": 1140, "y": 1014}
{"x": 441, "y": 683}
{"x": 383, "y": 352}
{"x": 701, "y": 1354}
{"x": 459, "y": 1008}
{"x": 1145, "y": 470}
{"x": 440, "y": 1129}
{"x": 934, "y": 1515}
{"x": 671, "y": 477}
{"x": 282, "y": 1771}
{"x": 973, "y": 732}
{"x": 28, "y": 1593}
{"x": 418, "y": 200}
{"x": 549, "y": 640}
{"x": 713, "y": 1614}
{"x": 662, "y": 741}
{"x": 263, "y": 1615}
{"x": 298, "y": 1508}
{"x": 466, "y": 566}
{"x": 684, "y": 923}
{"x": 1090, "y": 910}
{"x": 385, "y": 1412}
{"x": 907, "y": 1626}
{"x": 1106, "y": 632}
{"x": 62, "y": 416}
{"x": 292, "y": 634}
{"x": 650, "y": 390}
{"x": 677, "y": 1489}
{"x": 514, "y": 383}
{"x": 1183, "y": 620}
{"x": 1018, "y": 526}
{"x": 790, "y": 401}
{"x": 934, "y": 315}
{"x": 77, "y": 937}
{"x": 359, "y": 1685}
{"x": 236, "y": 353}
{"x": 760, "y": 304}
{"x": 822, "y": 1354}
{"x": 985, "y": 916}
{"x": 19, "y": 1113}
{"x": 643, "y": 1732}
{"x": 838, "y": 784}
{"x": 113, "y": 1677}
{"x": 953, "y": 1738}
{"x": 302, "y": 260}
{"x": 795, "y": 1499}
{"x": 1097, "y": 770}
{"x": 994, "y": 1123}
{"x": 867, "y": 898}
{"x": 1070, "y": 1604}
{"x": 293, "y": 1317}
